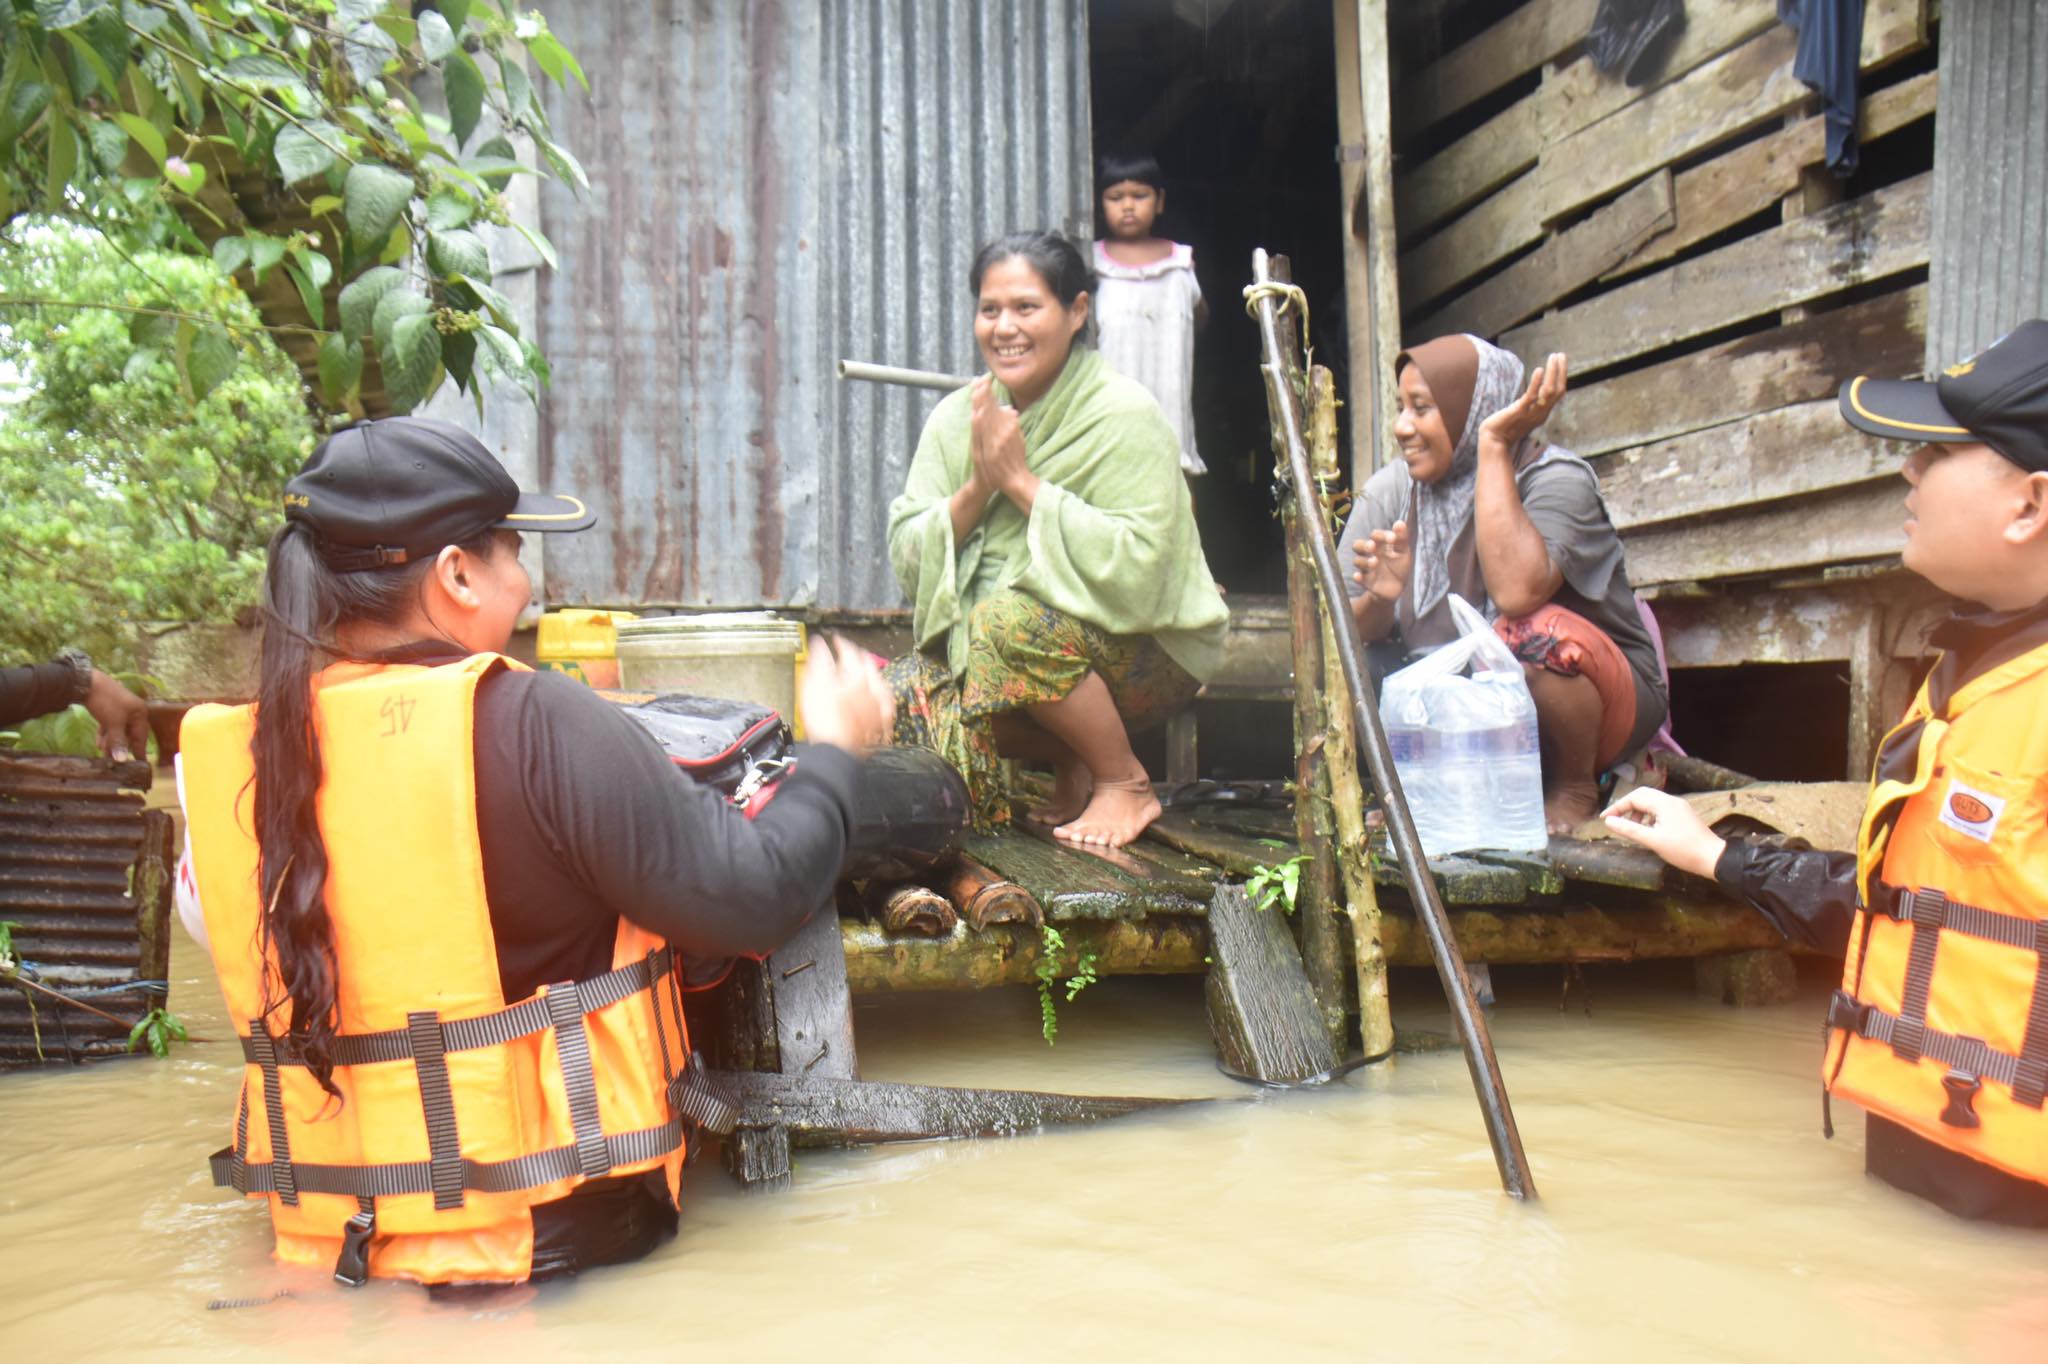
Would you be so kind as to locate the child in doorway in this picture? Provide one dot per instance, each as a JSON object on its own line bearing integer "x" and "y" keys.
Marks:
{"x": 1147, "y": 303}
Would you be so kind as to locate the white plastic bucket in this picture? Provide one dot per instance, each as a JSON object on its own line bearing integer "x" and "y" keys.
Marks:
{"x": 740, "y": 655}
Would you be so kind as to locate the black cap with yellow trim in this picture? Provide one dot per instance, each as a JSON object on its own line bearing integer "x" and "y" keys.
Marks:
{"x": 1998, "y": 396}
{"x": 394, "y": 490}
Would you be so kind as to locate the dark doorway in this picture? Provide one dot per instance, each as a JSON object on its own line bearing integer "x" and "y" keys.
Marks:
{"x": 1237, "y": 99}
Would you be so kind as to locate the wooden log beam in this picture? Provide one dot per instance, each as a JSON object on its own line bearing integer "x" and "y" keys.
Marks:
{"x": 1519, "y": 213}
{"x": 1639, "y": 927}
{"x": 826, "y": 1112}
{"x": 1881, "y": 234}
{"x": 1805, "y": 362}
{"x": 911, "y": 908}
{"x": 1564, "y": 264}
{"x": 983, "y": 898}
{"x": 1372, "y": 287}
{"x": 1263, "y": 1008}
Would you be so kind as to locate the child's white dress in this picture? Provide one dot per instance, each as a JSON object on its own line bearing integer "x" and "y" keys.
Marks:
{"x": 1145, "y": 322}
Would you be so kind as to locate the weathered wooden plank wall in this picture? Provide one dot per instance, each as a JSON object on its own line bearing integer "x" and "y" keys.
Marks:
{"x": 1710, "y": 280}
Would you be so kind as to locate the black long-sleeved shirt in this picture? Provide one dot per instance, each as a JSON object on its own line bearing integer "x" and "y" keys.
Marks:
{"x": 1812, "y": 897}
{"x": 583, "y": 819}
{"x": 36, "y": 690}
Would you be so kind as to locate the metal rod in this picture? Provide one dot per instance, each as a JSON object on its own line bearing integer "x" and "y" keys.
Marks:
{"x": 1508, "y": 1156}
{"x": 908, "y": 378}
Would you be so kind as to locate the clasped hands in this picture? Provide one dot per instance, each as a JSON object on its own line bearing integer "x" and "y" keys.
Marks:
{"x": 996, "y": 447}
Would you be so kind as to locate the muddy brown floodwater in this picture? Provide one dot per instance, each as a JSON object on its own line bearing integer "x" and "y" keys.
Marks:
{"x": 1691, "y": 1212}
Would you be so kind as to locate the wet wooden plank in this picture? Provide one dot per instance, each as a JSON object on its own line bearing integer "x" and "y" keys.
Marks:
{"x": 1732, "y": 93}
{"x": 1070, "y": 884}
{"x": 1860, "y": 523}
{"x": 1562, "y": 265}
{"x": 1530, "y": 36}
{"x": 1520, "y": 211}
{"x": 1235, "y": 850}
{"x": 1262, "y": 1008}
{"x": 1870, "y": 238}
{"x": 824, "y": 1112}
{"x": 1608, "y": 862}
{"x": 1785, "y": 452}
{"x": 1803, "y": 362}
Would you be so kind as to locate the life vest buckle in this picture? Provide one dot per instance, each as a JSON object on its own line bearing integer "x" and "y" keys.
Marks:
{"x": 352, "y": 1266}
{"x": 1847, "y": 1013}
{"x": 1962, "y": 1090}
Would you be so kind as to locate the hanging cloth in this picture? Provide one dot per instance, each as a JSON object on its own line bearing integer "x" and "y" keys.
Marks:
{"x": 1830, "y": 46}
{"x": 1626, "y": 36}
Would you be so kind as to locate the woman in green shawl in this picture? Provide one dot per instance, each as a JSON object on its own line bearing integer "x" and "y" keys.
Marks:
{"x": 1047, "y": 542}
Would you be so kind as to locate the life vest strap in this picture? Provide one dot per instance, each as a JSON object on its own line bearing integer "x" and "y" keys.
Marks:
{"x": 265, "y": 1056}
{"x": 1931, "y": 912}
{"x": 700, "y": 1103}
{"x": 1970, "y": 1055}
{"x": 485, "y": 1030}
{"x": 533, "y": 1171}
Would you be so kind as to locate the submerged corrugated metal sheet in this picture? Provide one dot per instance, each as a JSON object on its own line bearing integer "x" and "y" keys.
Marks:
{"x": 774, "y": 187}
{"x": 85, "y": 878}
{"x": 1990, "y": 251}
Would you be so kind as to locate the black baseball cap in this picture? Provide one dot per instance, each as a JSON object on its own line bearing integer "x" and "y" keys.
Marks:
{"x": 1998, "y": 396}
{"x": 400, "y": 488}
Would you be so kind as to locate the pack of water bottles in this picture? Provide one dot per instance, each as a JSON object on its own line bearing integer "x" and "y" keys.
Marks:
{"x": 1462, "y": 728}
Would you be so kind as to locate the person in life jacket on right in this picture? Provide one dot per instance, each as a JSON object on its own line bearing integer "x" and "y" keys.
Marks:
{"x": 1940, "y": 1029}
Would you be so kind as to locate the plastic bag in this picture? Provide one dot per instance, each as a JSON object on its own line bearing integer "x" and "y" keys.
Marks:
{"x": 1462, "y": 728}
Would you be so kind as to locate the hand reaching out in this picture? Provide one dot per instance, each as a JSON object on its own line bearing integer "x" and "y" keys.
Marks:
{"x": 842, "y": 697}
{"x": 1668, "y": 827}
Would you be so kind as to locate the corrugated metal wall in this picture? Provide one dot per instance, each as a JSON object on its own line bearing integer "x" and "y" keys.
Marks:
{"x": 1990, "y": 259}
{"x": 774, "y": 187}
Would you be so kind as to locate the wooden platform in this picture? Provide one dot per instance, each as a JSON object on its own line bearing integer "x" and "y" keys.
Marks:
{"x": 1143, "y": 909}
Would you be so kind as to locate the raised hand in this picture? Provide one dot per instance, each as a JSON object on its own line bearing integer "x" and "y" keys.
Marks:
{"x": 997, "y": 446}
{"x": 1505, "y": 429}
{"x": 1383, "y": 561}
{"x": 842, "y": 697}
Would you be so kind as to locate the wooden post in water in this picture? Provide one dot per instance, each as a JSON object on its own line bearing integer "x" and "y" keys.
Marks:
{"x": 1266, "y": 1018}
{"x": 1272, "y": 294}
{"x": 1340, "y": 796}
{"x": 1316, "y": 898}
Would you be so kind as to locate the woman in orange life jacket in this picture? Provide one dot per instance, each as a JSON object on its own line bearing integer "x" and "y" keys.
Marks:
{"x": 408, "y": 829}
{"x": 1940, "y": 1030}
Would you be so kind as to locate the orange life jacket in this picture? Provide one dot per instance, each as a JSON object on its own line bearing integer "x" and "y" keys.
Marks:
{"x": 457, "y": 1114}
{"x": 1941, "y": 1024}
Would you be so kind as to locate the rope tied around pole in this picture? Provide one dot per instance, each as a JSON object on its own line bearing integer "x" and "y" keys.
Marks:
{"x": 1291, "y": 298}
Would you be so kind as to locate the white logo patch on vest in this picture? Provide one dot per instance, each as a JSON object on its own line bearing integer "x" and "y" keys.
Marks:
{"x": 1971, "y": 812}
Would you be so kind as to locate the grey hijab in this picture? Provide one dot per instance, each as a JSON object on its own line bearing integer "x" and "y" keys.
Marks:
{"x": 1445, "y": 543}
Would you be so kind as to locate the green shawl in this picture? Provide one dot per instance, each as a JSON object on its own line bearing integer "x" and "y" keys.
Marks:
{"x": 1111, "y": 538}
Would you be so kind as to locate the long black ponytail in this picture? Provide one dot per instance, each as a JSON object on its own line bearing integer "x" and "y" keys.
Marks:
{"x": 305, "y": 603}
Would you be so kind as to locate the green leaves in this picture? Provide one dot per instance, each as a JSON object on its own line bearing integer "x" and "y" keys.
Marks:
{"x": 555, "y": 59}
{"x": 1276, "y": 884}
{"x": 464, "y": 85}
{"x": 412, "y": 360}
{"x": 360, "y": 297}
{"x": 63, "y": 163}
{"x": 310, "y": 271}
{"x": 437, "y": 39}
{"x": 458, "y": 252}
{"x": 62, "y": 14}
{"x": 302, "y": 152}
{"x": 146, "y": 136}
{"x": 397, "y": 304}
{"x": 157, "y": 1029}
{"x": 449, "y": 207}
{"x": 373, "y": 199}
{"x": 341, "y": 368}
{"x": 367, "y": 49}
{"x": 205, "y": 356}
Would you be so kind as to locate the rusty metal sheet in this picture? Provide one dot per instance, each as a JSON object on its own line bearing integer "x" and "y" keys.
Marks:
{"x": 85, "y": 877}
{"x": 773, "y": 188}
{"x": 1989, "y": 266}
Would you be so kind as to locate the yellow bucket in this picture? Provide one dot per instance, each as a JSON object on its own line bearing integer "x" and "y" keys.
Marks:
{"x": 582, "y": 643}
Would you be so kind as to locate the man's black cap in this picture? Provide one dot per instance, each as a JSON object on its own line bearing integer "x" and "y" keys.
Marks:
{"x": 1998, "y": 396}
{"x": 398, "y": 489}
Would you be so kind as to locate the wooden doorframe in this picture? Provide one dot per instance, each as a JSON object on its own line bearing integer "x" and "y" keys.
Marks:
{"x": 1365, "y": 157}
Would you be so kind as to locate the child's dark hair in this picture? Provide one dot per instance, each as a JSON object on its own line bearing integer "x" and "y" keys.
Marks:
{"x": 1058, "y": 262}
{"x": 1116, "y": 167}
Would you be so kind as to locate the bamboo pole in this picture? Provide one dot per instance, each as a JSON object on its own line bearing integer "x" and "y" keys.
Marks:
{"x": 1340, "y": 798}
{"x": 1270, "y": 285}
{"x": 906, "y": 378}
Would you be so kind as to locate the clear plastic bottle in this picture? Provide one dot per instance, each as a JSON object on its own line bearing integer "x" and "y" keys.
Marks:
{"x": 1473, "y": 774}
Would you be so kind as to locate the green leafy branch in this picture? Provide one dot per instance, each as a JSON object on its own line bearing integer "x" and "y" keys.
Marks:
{"x": 1280, "y": 882}
{"x": 1048, "y": 970}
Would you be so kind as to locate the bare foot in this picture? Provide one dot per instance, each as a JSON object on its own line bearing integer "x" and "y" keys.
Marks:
{"x": 1117, "y": 813}
{"x": 1570, "y": 805}
{"x": 1071, "y": 787}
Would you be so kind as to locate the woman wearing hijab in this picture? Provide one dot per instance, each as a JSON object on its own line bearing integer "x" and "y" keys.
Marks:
{"x": 1482, "y": 506}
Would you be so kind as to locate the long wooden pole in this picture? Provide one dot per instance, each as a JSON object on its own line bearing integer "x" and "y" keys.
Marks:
{"x": 1508, "y": 1155}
